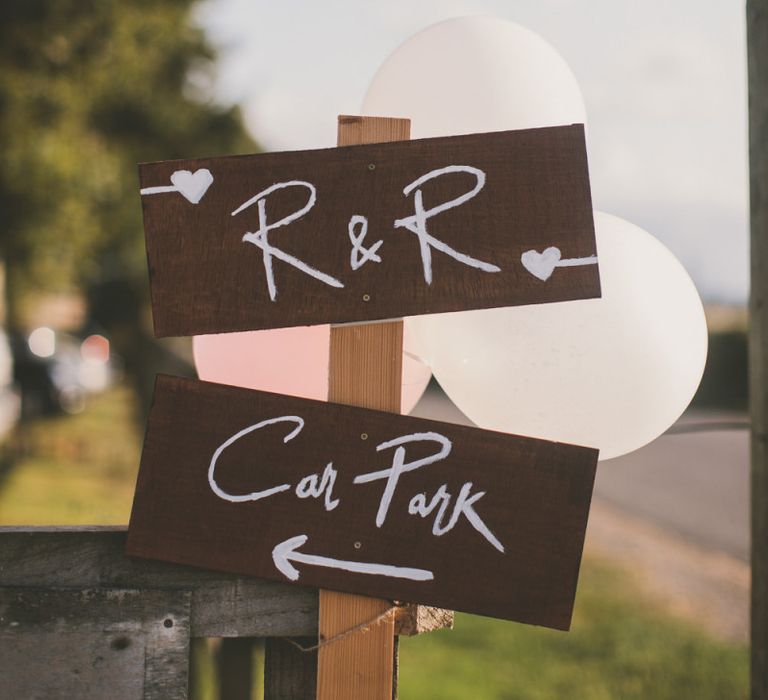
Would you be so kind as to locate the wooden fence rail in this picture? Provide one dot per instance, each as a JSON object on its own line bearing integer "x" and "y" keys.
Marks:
{"x": 79, "y": 619}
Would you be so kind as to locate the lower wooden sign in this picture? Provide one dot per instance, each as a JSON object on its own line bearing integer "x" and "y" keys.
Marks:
{"x": 362, "y": 501}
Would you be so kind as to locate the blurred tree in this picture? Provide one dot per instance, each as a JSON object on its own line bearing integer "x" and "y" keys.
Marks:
{"x": 88, "y": 89}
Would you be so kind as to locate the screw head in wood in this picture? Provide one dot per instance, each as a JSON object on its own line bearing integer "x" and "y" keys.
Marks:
{"x": 366, "y": 297}
{"x": 363, "y": 436}
{"x": 371, "y": 166}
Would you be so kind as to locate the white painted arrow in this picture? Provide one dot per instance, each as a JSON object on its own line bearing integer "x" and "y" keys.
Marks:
{"x": 542, "y": 265}
{"x": 285, "y": 552}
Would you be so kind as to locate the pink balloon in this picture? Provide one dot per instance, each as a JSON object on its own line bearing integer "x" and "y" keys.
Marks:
{"x": 291, "y": 361}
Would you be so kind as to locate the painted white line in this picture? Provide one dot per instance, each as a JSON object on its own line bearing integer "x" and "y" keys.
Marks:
{"x": 158, "y": 190}
{"x": 191, "y": 186}
{"x": 576, "y": 262}
{"x": 542, "y": 265}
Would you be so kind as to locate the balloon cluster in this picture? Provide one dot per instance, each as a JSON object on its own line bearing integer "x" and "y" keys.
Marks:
{"x": 612, "y": 373}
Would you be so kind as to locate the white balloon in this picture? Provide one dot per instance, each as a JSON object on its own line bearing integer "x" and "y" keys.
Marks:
{"x": 612, "y": 373}
{"x": 475, "y": 74}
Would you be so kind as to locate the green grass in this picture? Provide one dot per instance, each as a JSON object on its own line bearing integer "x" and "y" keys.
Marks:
{"x": 82, "y": 469}
{"x": 74, "y": 470}
{"x": 619, "y": 648}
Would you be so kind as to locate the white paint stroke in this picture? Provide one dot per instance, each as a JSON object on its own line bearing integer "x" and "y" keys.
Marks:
{"x": 255, "y": 495}
{"x": 158, "y": 190}
{"x": 360, "y": 254}
{"x": 286, "y": 552}
{"x": 314, "y": 486}
{"x": 400, "y": 466}
{"x": 260, "y": 238}
{"x": 542, "y": 265}
{"x": 417, "y": 223}
{"x": 192, "y": 186}
{"x": 442, "y": 499}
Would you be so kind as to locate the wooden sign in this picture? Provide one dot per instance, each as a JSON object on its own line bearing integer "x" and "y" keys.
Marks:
{"x": 369, "y": 232}
{"x": 362, "y": 501}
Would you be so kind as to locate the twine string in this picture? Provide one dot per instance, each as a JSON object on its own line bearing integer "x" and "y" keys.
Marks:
{"x": 362, "y": 627}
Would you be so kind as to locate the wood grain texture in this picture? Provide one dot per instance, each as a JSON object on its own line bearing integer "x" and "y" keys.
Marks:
{"x": 86, "y": 558}
{"x": 417, "y": 619}
{"x": 93, "y": 644}
{"x": 355, "y": 130}
{"x": 365, "y": 369}
{"x": 361, "y": 665}
{"x": 757, "y": 51}
{"x": 205, "y": 278}
{"x": 289, "y": 673}
{"x": 366, "y": 365}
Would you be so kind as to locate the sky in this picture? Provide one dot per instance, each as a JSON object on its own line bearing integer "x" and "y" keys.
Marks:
{"x": 664, "y": 85}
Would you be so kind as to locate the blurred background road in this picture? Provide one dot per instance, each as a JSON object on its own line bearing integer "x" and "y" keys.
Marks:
{"x": 694, "y": 484}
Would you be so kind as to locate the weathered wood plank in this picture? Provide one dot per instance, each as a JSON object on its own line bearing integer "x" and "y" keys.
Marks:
{"x": 415, "y": 619}
{"x": 222, "y": 605}
{"x": 117, "y": 644}
{"x": 289, "y": 672}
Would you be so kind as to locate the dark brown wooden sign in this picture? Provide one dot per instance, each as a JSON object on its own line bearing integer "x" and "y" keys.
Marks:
{"x": 369, "y": 232}
{"x": 362, "y": 501}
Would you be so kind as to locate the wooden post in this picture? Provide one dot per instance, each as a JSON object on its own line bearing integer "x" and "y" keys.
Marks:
{"x": 365, "y": 370}
{"x": 757, "y": 61}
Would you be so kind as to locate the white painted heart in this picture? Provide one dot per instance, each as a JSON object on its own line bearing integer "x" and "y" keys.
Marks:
{"x": 541, "y": 265}
{"x": 192, "y": 185}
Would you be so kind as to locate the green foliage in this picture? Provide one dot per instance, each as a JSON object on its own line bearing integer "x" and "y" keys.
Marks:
{"x": 618, "y": 647}
{"x": 89, "y": 88}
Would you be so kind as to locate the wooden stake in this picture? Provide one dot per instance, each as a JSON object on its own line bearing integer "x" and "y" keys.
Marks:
{"x": 365, "y": 370}
{"x": 757, "y": 62}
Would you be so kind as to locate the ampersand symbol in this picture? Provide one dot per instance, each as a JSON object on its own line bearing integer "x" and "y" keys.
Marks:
{"x": 360, "y": 254}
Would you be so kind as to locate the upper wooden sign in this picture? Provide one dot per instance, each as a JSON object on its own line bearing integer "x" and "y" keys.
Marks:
{"x": 369, "y": 232}
{"x": 362, "y": 501}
